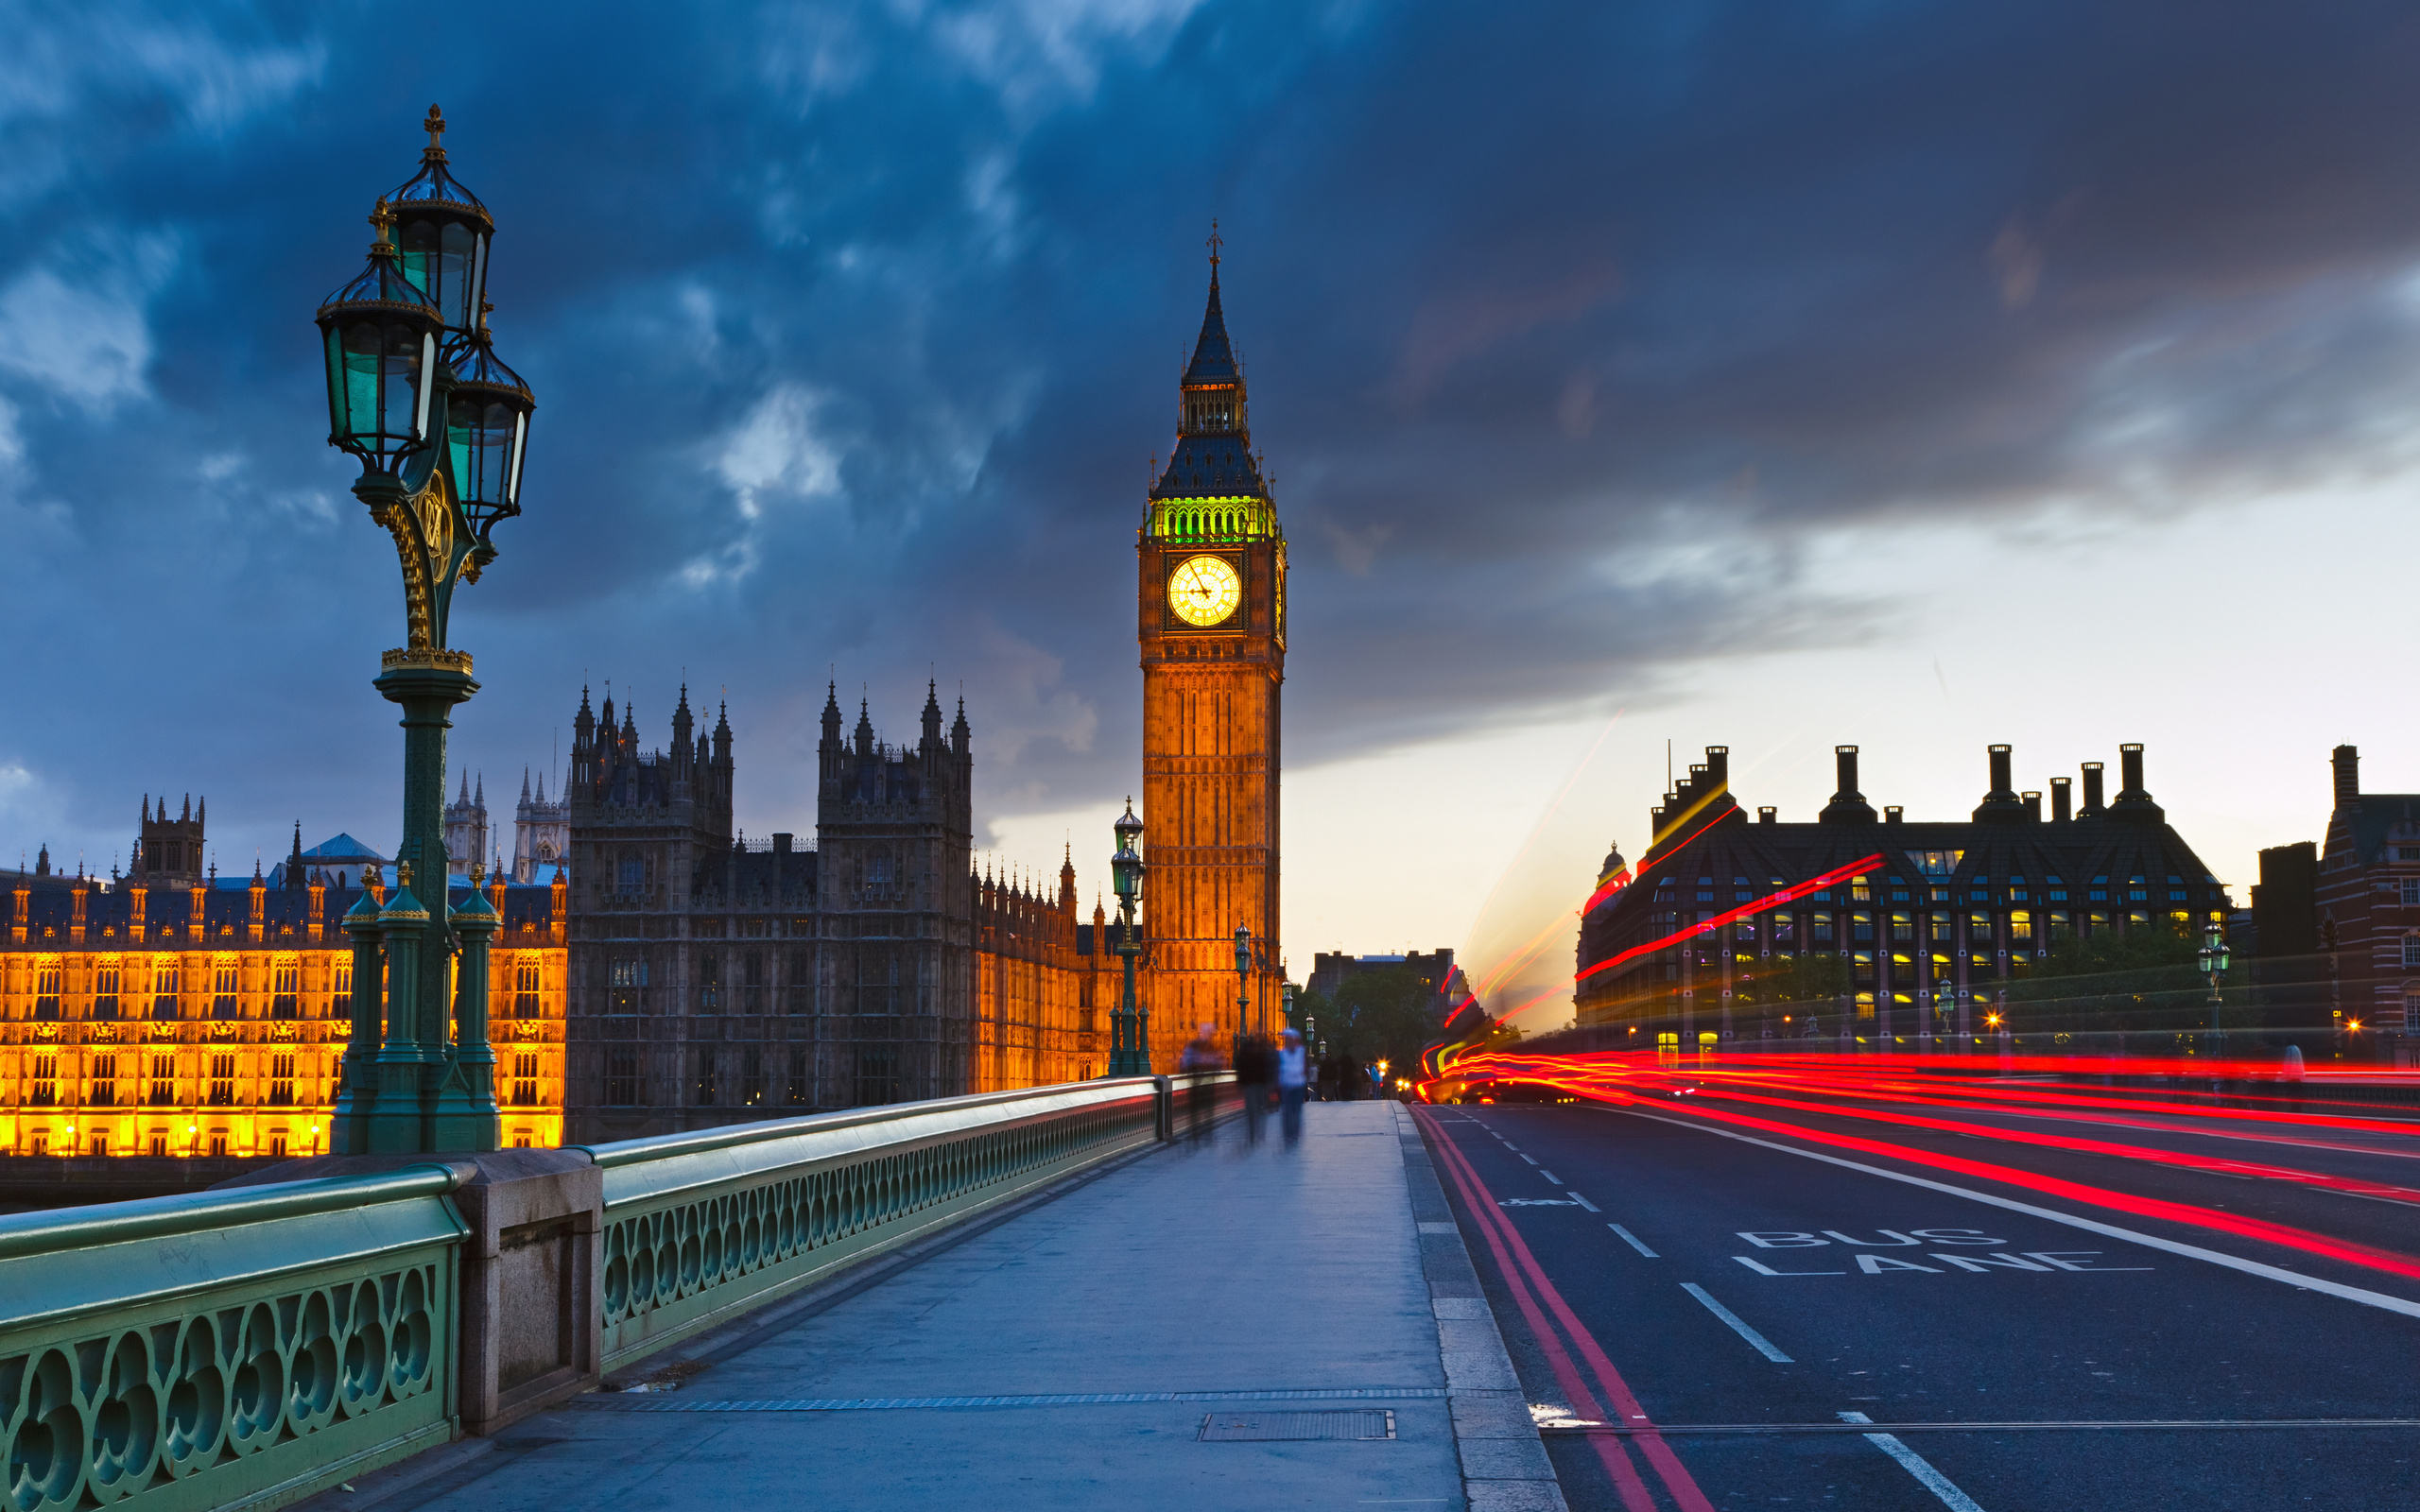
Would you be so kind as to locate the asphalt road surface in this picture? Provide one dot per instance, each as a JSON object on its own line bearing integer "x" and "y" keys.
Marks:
{"x": 1717, "y": 1302}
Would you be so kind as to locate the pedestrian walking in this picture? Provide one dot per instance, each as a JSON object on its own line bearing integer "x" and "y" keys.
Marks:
{"x": 1293, "y": 1081}
{"x": 1256, "y": 1069}
{"x": 1200, "y": 1060}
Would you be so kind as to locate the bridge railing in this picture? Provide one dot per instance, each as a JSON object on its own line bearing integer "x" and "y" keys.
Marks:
{"x": 203, "y": 1350}
{"x": 701, "y": 1227}
{"x": 249, "y": 1347}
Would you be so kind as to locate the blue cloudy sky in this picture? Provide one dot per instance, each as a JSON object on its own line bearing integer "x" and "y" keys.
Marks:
{"x": 1907, "y": 373}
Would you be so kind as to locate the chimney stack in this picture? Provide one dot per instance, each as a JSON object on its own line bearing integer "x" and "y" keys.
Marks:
{"x": 2133, "y": 798}
{"x": 1767, "y": 816}
{"x": 1848, "y": 805}
{"x": 2347, "y": 761}
{"x": 2093, "y": 807}
{"x": 1892, "y": 814}
{"x": 2061, "y": 799}
{"x": 1718, "y": 763}
{"x": 2001, "y": 802}
{"x": 2032, "y": 806}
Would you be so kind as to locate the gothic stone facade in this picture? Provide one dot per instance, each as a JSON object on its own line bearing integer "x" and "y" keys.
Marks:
{"x": 717, "y": 979}
{"x": 177, "y": 1022}
{"x": 1210, "y": 602}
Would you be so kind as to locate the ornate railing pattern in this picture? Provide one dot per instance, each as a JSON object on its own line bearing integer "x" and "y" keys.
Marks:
{"x": 198, "y": 1350}
{"x": 701, "y": 1227}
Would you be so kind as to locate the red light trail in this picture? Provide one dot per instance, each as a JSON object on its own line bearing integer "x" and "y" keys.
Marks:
{"x": 1829, "y": 879}
{"x": 1618, "y": 1077}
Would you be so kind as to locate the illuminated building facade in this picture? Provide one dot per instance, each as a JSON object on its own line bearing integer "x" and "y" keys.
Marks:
{"x": 1963, "y": 904}
{"x": 717, "y": 979}
{"x": 152, "y": 1021}
{"x": 1211, "y": 623}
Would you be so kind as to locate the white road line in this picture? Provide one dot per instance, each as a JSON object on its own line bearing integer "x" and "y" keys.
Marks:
{"x": 1549, "y": 1175}
{"x": 1915, "y": 1464}
{"x": 2250, "y": 1267}
{"x": 1532, "y": 1159}
{"x": 1632, "y": 1240}
{"x": 1584, "y": 1201}
{"x": 1763, "y": 1345}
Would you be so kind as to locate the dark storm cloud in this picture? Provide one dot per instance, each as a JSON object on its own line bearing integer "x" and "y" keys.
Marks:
{"x": 854, "y": 327}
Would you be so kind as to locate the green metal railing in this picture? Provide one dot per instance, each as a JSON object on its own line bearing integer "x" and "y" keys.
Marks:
{"x": 250, "y": 1346}
{"x": 218, "y": 1348}
{"x": 700, "y": 1227}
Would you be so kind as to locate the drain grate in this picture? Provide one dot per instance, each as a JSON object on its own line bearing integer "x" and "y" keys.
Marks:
{"x": 1268, "y": 1427}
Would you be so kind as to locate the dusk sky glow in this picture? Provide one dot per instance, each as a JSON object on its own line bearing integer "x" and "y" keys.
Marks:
{"x": 1887, "y": 372}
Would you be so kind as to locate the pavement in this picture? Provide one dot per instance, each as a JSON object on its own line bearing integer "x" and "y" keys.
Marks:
{"x": 1780, "y": 1322}
{"x": 1199, "y": 1328}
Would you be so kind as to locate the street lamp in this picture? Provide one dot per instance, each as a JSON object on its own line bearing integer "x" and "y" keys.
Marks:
{"x": 1128, "y": 1055}
{"x": 440, "y": 425}
{"x": 1243, "y": 981}
{"x": 2213, "y": 956}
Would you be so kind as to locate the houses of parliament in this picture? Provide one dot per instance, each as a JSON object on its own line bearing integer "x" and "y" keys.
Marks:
{"x": 658, "y": 970}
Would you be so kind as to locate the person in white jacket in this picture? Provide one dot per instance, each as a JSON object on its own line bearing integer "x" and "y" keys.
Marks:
{"x": 1292, "y": 1084}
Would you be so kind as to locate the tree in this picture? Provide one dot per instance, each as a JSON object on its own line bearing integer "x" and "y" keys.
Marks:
{"x": 1378, "y": 1013}
{"x": 2146, "y": 979}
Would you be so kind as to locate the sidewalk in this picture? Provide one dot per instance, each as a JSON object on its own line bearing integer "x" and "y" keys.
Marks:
{"x": 1280, "y": 1291}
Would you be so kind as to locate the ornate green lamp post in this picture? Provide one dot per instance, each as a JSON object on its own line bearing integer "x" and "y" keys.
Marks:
{"x": 1130, "y": 1053}
{"x": 438, "y": 424}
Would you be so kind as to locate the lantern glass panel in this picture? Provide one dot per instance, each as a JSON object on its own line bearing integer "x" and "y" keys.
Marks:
{"x": 520, "y": 444}
{"x": 445, "y": 258}
{"x": 482, "y": 436}
{"x": 421, "y": 389}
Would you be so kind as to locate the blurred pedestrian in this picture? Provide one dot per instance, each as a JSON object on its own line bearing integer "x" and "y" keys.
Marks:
{"x": 1256, "y": 1069}
{"x": 1200, "y": 1060}
{"x": 1292, "y": 1082}
{"x": 1353, "y": 1083}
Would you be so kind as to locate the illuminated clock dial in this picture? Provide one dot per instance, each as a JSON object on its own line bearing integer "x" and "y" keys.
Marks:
{"x": 1204, "y": 590}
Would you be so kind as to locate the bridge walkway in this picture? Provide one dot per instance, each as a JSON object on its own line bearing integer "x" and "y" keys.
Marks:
{"x": 1226, "y": 1292}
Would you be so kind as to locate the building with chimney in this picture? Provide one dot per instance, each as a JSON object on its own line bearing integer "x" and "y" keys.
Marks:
{"x": 717, "y": 978}
{"x": 2339, "y": 923}
{"x": 1722, "y": 907}
{"x": 1331, "y": 969}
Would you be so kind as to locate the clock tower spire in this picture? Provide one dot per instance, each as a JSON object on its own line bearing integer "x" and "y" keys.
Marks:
{"x": 1211, "y": 605}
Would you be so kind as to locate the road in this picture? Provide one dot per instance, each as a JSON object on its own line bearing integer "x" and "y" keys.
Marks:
{"x": 1731, "y": 1272}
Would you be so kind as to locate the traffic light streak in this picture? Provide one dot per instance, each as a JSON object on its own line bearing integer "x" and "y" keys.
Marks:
{"x": 1599, "y": 1077}
{"x": 1836, "y": 875}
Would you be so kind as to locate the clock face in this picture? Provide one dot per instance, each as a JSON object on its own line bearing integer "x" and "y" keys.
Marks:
{"x": 1204, "y": 590}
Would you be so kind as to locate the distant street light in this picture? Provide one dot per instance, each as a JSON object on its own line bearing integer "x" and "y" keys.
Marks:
{"x": 1243, "y": 981}
{"x": 2213, "y": 958}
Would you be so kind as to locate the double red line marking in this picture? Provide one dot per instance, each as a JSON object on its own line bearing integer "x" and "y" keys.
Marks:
{"x": 1528, "y": 1283}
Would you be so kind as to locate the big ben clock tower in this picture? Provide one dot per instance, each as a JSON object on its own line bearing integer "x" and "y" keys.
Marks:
{"x": 1211, "y": 605}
